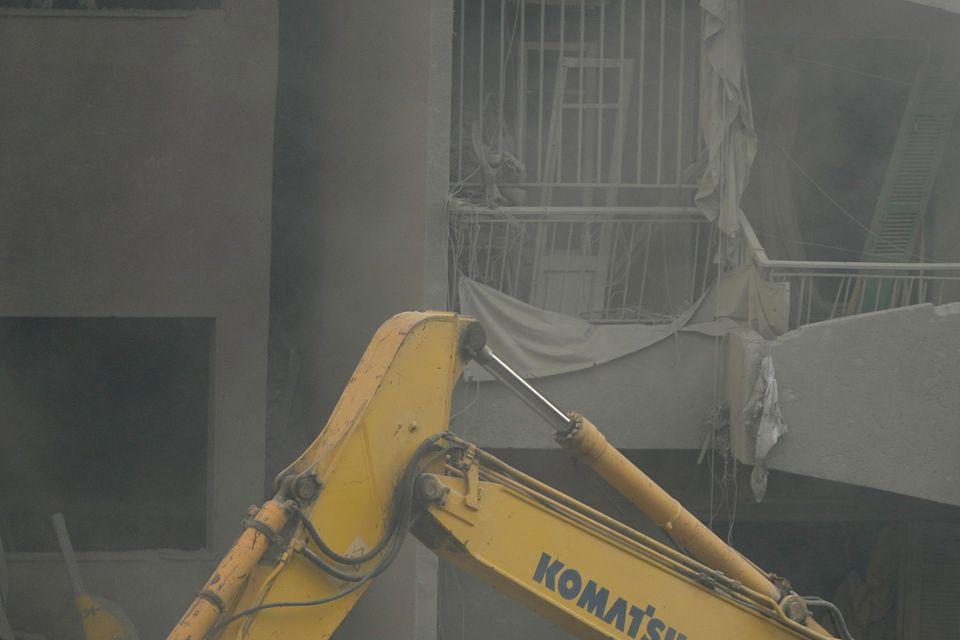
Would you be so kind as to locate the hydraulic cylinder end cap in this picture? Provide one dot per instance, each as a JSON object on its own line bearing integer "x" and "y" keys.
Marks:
{"x": 583, "y": 438}
{"x": 306, "y": 487}
{"x": 430, "y": 489}
{"x": 473, "y": 339}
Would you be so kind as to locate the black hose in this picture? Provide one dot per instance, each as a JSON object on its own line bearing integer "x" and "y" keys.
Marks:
{"x": 835, "y": 614}
{"x": 392, "y": 523}
{"x": 326, "y": 567}
{"x": 400, "y": 520}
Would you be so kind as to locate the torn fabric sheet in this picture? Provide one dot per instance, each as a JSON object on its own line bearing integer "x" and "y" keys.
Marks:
{"x": 537, "y": 343}
{"x": 763, "y": 407}
{"x": 745, "y": 297}
{"x": 726, "y": 115}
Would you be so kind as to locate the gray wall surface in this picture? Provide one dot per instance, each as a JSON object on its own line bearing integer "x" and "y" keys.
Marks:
{"x": 871, "y": 400}
{"x": 359, "y": 228}
{"x": 135, "y": 180}
{"x": 359, "y": 188}
{"x": 657, "y": 398}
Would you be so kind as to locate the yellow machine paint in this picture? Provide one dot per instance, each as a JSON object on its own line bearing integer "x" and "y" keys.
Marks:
{"x": 587, "y": 443}
{"x": 101, "y": 619}
{"x": 574, "y": 568}
{"x": 342, "y": 509}
{"x": 398, "y": 396}
{"x": 232, "y": 575}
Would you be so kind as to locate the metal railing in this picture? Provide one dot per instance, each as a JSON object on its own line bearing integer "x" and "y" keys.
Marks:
{"x": 572, "y": 95}
{"x": 821, "y": 290}
{"x": 605, "y": 265}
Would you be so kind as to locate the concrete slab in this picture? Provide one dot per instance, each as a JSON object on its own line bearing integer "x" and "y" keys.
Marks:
{"x": 870, "y": 400}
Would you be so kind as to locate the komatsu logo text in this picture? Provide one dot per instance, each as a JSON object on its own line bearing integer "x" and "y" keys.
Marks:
{"x": 627, "y": 617}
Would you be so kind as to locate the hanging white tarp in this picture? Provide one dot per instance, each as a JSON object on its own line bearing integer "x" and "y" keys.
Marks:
{"x": 538, "y": 343}
{"x": 743, "y": 295}
{"x": 726, "y": 116}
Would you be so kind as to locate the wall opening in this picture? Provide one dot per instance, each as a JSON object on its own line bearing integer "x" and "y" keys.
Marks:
{"x": 106, "y": 420}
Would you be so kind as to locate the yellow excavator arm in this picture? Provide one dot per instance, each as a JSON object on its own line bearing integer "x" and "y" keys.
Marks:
{"x": 385, "y": 465}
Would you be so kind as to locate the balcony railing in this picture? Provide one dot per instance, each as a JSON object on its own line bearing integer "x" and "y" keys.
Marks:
{"x": 822, "y": 290}
{"x": 573, "y": 100}
{"x": 606, "y": 265}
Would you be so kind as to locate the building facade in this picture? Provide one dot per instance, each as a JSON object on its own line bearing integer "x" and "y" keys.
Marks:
{"x": 210, "y": 206}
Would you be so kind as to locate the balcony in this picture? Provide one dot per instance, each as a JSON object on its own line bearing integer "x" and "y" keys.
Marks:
{"x": 575, "y": 152}
{"x": 604, "y": 265}
{"x": 822, "y": 290}
{"x": 575, "y": 141}
{"x": 577, "y": 102}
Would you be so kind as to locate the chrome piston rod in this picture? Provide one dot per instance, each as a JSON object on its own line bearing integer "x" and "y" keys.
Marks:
{"x": 556, "y": 418}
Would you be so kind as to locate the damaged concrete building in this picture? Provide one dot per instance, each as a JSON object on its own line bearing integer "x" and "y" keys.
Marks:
{"x": 727, "y": 231}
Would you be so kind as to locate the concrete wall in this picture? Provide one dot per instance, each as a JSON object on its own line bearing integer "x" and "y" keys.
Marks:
{"x": 360, "y": 184}
{"x": 657, "y": 398}
{"x": 135, "y": 180}
{"x": 869, "y": 400}
{"x": 359, "y": 228}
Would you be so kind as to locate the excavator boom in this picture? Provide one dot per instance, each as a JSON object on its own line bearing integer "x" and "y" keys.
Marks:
{"x": 385, "y": 465}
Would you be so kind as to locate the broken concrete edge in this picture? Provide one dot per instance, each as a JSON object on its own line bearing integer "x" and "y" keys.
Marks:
{"x": 746, "y": 349}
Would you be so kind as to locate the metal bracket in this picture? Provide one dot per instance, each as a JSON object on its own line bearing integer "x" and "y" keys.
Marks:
{"x": 431, "y": 489}
{"x": 265, "y": 529}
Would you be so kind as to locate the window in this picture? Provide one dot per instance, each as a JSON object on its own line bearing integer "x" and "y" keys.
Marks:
{"x": 107, "y": 421}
